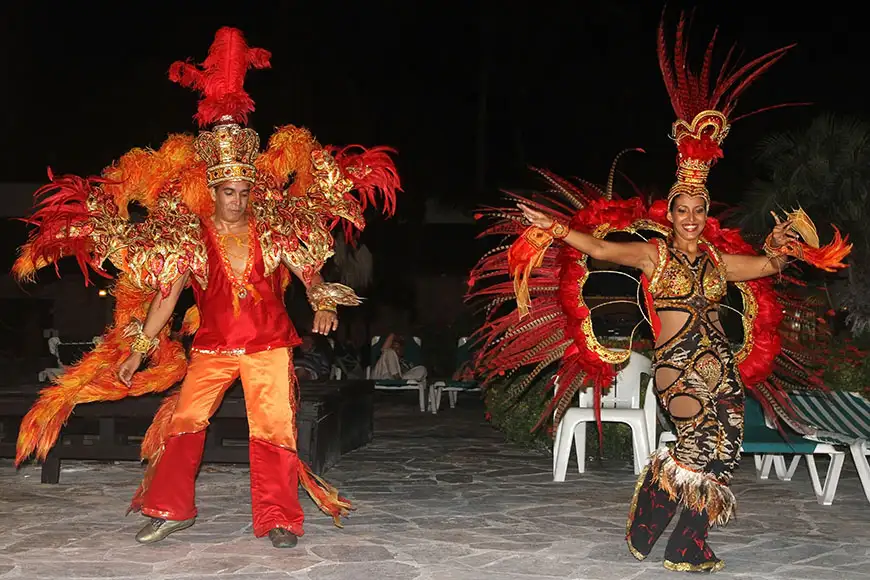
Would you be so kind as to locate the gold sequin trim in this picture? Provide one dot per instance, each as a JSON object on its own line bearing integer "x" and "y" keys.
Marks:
{"x": 226, "y": 352}
{"x": 604, "y": 353}
{"x": 592, "y": 343}
{"x": 750, "y": 313}
{"x": 660, "y": 265}
{"x": 711, "y": 566}
{"x": 234, "y": 351}
{"x": 632, "y": 508}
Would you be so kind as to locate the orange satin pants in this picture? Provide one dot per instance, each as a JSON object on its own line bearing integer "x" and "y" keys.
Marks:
{"x": 269, "y": 384}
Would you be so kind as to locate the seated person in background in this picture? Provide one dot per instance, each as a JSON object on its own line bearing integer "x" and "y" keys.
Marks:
{"x": 312, "y": 360}
{"x": 393, "y": 366}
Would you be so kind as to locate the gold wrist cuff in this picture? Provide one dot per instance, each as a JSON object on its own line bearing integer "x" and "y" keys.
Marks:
{"x": 141, "y": 343}
{"x": 329, "y": 296}
{"x": 558, "y": 230}
{"x": 770, "y": 251}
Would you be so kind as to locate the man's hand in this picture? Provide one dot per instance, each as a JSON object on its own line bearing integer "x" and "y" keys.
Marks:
{"x": 129, "y": 367}
{"x": 325, "y": 321}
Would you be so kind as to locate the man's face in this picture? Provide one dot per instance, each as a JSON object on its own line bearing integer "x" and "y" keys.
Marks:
{"x": 231, "y": 200}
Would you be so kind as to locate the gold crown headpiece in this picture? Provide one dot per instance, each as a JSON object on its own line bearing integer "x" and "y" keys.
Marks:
{"x": 228, "y": 148}
{"x": 698, "y": 146}
{"x": 229, "y": 151}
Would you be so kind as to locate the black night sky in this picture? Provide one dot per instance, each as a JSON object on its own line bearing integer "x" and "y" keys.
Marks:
{"x": 567, "y": 84}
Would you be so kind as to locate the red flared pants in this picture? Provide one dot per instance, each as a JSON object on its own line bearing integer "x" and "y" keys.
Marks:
{"x": 269, "y": 385}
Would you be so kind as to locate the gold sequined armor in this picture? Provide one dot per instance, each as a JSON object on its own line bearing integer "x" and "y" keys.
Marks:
{"x": 693, "y": 364}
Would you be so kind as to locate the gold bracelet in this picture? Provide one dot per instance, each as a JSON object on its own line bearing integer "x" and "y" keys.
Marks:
{"x": 558, "y": 230}
{"x": 325, "y": 306}
{"x": 142, "y": 344}
{"x": 770, "y": 251}
{"x": 327, "y": 297}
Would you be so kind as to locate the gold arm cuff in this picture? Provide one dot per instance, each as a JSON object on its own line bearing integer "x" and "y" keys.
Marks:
{"x": 770, "y": 251}
{"x": 558, "y": 230}
{"x": 141, "y": 343}
{"x": 329, "y": 296}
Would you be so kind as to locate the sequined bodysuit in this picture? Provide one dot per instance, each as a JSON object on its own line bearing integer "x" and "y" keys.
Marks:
{"x": 699, "y": 387}
{"x": 697, "y": 362}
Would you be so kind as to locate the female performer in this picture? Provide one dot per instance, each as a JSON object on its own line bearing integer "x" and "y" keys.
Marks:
{"x": 696, "y": 377}
{"x": 699, "y": 380}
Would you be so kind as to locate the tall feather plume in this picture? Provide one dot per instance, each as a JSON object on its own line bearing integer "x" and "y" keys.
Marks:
{"x": 221, "y": 79}
{"x": 692, "y": 94}
{"x": 608, "y": 192}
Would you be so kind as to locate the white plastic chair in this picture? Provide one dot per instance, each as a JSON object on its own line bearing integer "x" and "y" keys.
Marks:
{"x": 451, "y": 387}
{"x": 824, "y": 491}
{"x": 620, "y": 405}
{"x": 860, "y": 450}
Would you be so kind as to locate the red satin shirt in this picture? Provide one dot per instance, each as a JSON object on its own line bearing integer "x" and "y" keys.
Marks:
{"x": 261, "y": 321}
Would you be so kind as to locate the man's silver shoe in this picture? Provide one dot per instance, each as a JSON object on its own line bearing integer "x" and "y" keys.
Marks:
{"x": 157, "y": 529}
{"x": 282, "y": 538}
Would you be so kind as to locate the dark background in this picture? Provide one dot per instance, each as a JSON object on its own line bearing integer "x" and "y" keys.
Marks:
{"x": 567, "y": 84}
{"x": 470, "y": 92}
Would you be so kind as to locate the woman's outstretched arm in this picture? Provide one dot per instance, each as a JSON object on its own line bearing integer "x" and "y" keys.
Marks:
{"x": 633, "y": 254}
{"x": 741, "y": 268}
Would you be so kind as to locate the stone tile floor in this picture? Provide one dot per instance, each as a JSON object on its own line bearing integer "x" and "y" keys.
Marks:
{"x": 439, "y": 497}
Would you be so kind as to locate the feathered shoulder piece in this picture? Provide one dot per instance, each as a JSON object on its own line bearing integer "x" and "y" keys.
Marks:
{"x": 304, "y": 189}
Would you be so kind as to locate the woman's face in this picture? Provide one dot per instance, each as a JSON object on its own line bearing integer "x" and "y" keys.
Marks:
{"x": 688, "y": 214}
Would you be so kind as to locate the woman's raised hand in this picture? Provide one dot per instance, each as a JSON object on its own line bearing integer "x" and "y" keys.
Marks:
{"x": 536, "y": 218}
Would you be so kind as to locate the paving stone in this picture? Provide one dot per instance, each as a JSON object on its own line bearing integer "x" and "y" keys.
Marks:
{"x": 438, "y": 497}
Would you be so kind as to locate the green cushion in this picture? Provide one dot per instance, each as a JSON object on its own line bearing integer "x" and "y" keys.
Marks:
{"x": 391, "y": 383}
{"x": 462, "y": 384}
{"x": 759, "y": 438}
{"x": 840, "y": 413}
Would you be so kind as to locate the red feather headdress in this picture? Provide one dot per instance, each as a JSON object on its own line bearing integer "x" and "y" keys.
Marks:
{"x": 229, "y": 150}
{"x": 222, "y": 77}
{"x": 704, "y": 108}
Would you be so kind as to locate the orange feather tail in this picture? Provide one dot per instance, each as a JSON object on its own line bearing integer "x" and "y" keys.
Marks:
{"x": 324, "y": 495}
{"x": 94, "y": 378}
{"x": 828, "y": 258}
